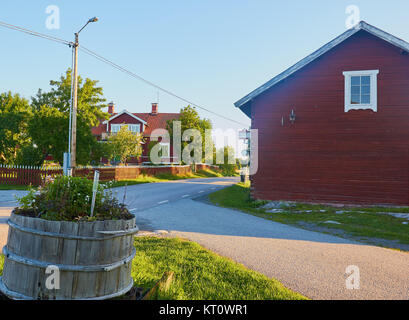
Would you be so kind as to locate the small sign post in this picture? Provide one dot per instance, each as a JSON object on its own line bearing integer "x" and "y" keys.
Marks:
{"x": 94, "y": 191}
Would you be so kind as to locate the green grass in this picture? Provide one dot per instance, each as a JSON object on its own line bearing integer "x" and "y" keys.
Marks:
{"x": 163, "y": 177}
{"x": 200, "y": 274}
{"x": 360, "y": 222}
{"x": 1, "y": 263}
{"x": 141, "y": 179}
{"x": 13, "y": 187}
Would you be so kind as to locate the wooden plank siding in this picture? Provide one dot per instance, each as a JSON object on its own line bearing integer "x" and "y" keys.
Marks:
{"x": 327, "y": 155}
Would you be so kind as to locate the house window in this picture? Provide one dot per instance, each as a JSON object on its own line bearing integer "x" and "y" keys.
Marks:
{"x": 165, "y": 150}
{"x": 135, "y": 128}
{"x": 115, "y": 128}
{"x": 361, "y": 90}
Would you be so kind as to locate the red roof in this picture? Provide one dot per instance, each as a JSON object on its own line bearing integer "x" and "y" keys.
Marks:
{"x": 154, "y": 121}
{"x": 157, "y": 121}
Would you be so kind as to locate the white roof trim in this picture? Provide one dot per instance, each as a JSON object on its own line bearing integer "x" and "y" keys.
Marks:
{"x": 128, "y": 113}
{"x": 350, "y": 32}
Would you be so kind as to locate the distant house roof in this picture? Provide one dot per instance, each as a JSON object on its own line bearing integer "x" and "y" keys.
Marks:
{"x": 302, "y": 63}
{"x": 133, "y": 115}
{"x": 151, "y": 121}
{"x": 157, "y": 121}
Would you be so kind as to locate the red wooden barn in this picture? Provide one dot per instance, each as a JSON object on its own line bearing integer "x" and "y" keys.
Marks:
{"x": 334, "y": 127}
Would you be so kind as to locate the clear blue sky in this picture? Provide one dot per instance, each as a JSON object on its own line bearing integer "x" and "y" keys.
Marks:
{"x": 212, "y": 52}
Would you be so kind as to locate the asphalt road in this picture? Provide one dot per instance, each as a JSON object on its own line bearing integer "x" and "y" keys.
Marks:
{"x": 8, "y": 197}
{"x": 312, "y": 263}
{"x": 145, "y": 196}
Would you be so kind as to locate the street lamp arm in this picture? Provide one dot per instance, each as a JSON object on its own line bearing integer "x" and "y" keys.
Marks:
{"x": 83, "y": 27}
{"x": 95, "y": 19}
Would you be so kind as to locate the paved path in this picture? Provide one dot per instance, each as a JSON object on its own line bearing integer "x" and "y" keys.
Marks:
{"x": 311, "y": 263}
{"x": 4, "y": 214}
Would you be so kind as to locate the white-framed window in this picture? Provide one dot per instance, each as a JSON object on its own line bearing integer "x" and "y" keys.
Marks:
{"x": 361, "y": 90}
{"x": 115, "y": 128}
{"x": 135, "y": 128}
{"x": 165, "y": 150}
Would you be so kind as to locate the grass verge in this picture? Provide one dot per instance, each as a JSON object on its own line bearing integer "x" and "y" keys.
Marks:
{"x": 199, "y": 273}
{"x": 166, "y": 177}
{"x": 360, "y": 222}
{"x": 13, "y": 187}
{"x": 141, "y": 179}
{"x": 1, "y": 264}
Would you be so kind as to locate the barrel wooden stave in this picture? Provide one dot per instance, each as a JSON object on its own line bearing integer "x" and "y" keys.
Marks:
{"x": 29, "y": 280}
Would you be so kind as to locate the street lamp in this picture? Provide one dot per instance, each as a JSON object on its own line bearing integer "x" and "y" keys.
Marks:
{"x": 72, "y": 145}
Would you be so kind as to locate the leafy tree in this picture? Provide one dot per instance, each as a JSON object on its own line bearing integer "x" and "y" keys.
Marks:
{"x": 49, "y": 125}
{"x": 90, "y": 98}
{"x": 49, "y": 131}
{"x": 229, "y": 166}
{"x": 15, "y": 112}
{"x": 30, "y": 155}
{"x": 150, "y": 146}
{"x": 190, "y": 119}
{"x": 125, "y": 144}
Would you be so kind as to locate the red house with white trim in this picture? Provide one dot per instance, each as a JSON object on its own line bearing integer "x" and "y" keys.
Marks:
{"x": 334, "y": 127}
{"x": 144, "y": 123}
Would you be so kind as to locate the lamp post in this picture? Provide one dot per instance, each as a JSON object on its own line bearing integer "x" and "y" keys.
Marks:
{"x": 72, "y": 148}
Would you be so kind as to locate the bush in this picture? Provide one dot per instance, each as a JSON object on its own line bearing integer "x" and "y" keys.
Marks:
{"x": 69, "y": 199}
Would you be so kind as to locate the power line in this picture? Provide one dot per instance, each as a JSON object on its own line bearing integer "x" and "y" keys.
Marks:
{"x": 112, "y": 64}
{"x": 34, "y": 33}
{"x": 134, "y": 75}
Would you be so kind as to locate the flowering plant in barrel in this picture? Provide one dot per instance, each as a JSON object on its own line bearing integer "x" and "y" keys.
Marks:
{"x": 53, "y": 234}
{"x": 69, "y": 199}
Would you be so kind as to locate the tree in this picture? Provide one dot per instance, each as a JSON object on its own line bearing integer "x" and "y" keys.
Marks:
{"x": 90, "y": 98}
{"x": 150, "y": 146}
{"x": 15, "y": 113}
{"x": 190, "y": 119}
{"x": 124, "y": 144}
{"x": 30, "y": 155}
{"x": 49, "y": 125}
{"x": 229, "y": 165}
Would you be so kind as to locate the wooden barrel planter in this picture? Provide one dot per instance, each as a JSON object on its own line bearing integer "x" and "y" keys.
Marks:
{"x": 93, "y": 258}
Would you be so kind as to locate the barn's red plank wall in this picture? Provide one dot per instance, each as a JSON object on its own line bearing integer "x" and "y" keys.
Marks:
{"x": 328, "y": 155}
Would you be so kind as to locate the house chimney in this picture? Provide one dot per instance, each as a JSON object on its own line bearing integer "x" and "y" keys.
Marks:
{"x": 154, "y": 108}
{"x": 111, "y": 108}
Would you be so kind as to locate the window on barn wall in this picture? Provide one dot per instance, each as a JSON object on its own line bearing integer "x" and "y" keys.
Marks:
{"x": 361, "y": 90}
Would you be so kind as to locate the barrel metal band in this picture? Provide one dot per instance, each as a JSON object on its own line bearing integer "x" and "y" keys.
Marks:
{"x": 18, "y": 296}
{"x": 106, "y": 234}
{"x": 62, "y": 267}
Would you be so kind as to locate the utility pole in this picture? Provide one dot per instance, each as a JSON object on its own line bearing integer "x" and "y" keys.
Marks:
{"x": 74, "y": 106}
{"x": 74, "y": 90}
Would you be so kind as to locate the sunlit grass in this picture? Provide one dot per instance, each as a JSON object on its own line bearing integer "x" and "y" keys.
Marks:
{"x": 1, "y": 263}
{"x": 200, "y": 274}
{"x": 163, "y": 177}
{"x": 366, "y": 222}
